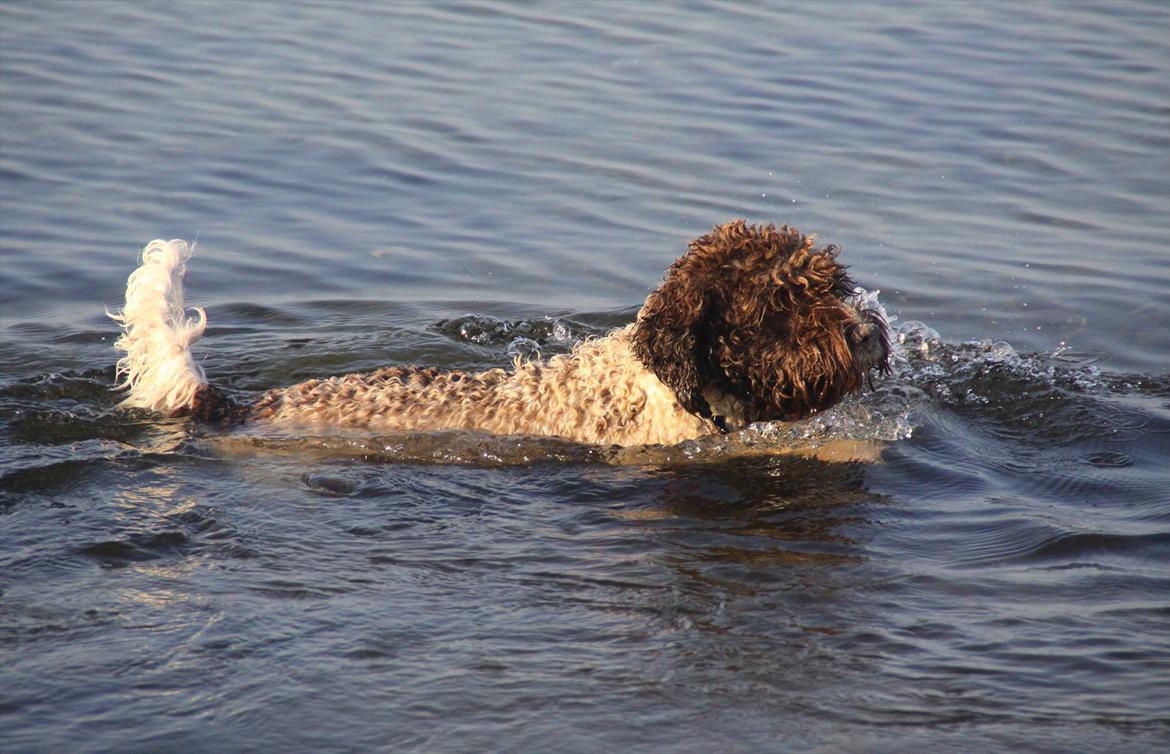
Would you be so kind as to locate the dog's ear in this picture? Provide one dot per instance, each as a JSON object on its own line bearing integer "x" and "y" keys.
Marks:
{"x": 670, "y": 334}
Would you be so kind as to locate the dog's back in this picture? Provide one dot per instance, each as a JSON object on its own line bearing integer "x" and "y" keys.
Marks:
{"x": 598, "y": 393}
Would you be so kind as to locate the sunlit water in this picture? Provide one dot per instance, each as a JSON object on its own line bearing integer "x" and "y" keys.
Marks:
{"x": 985, "y": 568}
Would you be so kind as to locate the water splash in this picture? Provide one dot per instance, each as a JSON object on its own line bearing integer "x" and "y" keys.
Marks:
{"x": 519, "y": 335}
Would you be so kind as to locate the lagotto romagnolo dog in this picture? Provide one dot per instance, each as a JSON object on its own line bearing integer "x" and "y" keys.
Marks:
{"x": 753, "y": 323}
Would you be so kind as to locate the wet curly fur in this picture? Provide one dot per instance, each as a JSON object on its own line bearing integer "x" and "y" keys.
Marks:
{"x": 759, "y": 315}
{"x": 753, "y": 323}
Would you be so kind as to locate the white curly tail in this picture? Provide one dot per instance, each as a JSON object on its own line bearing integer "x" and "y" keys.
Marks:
{"x": 158, "y": 369}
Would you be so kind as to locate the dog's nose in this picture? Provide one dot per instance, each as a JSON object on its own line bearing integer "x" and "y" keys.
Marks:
{"x": 862, "y": 334}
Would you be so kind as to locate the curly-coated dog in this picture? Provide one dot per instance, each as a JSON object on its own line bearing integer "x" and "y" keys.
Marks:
{"x": 753, "y": 323}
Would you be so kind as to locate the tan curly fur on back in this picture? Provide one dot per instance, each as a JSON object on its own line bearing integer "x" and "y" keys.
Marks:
{"x": 599, "y": 393}
{"x": 753, "y": 323}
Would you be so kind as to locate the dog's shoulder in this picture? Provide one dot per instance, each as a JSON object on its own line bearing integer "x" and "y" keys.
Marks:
{"x": 633, "y": 406}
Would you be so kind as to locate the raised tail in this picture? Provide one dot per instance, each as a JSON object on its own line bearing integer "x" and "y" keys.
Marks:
{"x": 158, "y": 369}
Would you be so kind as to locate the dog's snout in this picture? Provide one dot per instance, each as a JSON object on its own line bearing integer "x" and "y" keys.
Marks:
{"x": 862, "y": 334}
{"x": 869, "y": 342}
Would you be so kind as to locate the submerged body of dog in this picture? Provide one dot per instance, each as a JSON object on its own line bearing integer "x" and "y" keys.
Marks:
{"x": 752, "y": 324}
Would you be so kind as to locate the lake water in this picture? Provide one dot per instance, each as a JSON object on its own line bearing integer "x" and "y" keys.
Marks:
{"x": 378, "y": 184}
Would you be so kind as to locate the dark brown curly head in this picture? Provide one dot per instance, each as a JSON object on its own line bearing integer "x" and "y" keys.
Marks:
{"x": 754, "y": 323}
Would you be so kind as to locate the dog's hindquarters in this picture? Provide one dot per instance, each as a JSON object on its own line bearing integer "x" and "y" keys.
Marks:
{"x": 158, "y": 369}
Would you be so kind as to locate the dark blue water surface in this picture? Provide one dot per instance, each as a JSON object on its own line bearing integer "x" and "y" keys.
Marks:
{"x": 454, "y": 184}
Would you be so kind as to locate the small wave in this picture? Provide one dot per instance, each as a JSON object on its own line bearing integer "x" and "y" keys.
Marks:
{"x": 999, "y": 536}
{"x": 991, "y": 538}
{"x": 138, "y": 547}
{"x": 522, "y": 337}
{"x": 1094, "y": 548}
